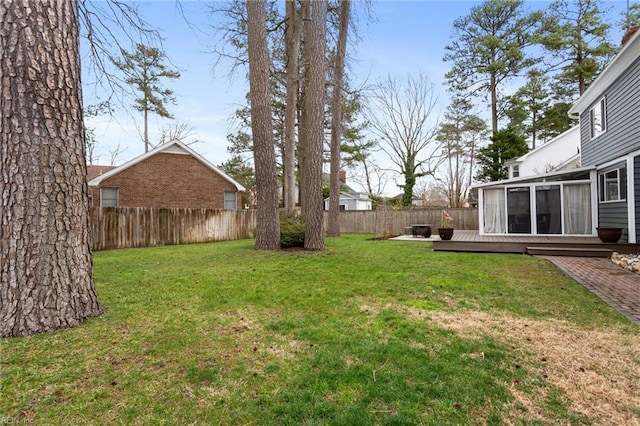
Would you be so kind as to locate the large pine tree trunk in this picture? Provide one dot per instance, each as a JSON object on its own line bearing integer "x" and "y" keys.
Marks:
{"x": 45, "y": 269}
{"x": 336, "y": 122}
{"x": 314, "y": 102}
{"x": 292, "y": 39}
{"x": 267, "y": 220}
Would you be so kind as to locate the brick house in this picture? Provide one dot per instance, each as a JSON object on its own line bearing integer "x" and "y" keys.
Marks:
{"x": 170, "y": 176}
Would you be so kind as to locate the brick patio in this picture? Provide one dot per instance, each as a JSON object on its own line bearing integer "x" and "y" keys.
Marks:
{"x": 614, "y": 285}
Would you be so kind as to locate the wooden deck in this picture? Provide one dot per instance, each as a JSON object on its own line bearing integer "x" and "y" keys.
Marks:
{"x": 472, "y": 241}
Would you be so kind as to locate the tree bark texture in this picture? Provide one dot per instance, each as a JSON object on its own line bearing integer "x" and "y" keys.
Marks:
{"x": 46, "y": 280}
{"x": 292, "y": 41}
{"x": 315, "y": 99}
{"x": 267, "y": 215}
{"x": 336, "y": 121}
{"x": 305, "y": 12}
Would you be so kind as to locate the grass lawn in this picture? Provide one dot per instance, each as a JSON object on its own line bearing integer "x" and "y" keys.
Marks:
{"x": 367, "y": 332}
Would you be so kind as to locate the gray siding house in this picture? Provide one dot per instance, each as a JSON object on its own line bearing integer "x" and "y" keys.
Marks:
{"x": 609, "y": 113}
{"x": 605, "y": 190}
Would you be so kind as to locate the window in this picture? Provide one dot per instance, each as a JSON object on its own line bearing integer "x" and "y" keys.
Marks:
{"x": 230, "y": 201}
{"x": 515, "y": 171}
{"x": 109, "y": 197}
{"x": 598, "y": 118}
{"x": 613, "y": 185}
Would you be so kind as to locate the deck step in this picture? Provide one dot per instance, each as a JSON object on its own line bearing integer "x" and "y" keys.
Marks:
{"x": 569, "y": 251}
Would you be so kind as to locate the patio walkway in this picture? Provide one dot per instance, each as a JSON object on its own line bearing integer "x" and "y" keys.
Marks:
{"x": 616, "y": 286}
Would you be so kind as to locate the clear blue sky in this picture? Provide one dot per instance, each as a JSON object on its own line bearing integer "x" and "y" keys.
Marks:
{"x": 405, "y": 37}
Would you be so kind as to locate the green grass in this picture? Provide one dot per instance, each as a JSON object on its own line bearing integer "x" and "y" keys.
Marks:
{"x": 223, "y": 334}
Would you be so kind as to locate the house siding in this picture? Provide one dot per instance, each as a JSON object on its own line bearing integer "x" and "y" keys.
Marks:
{"x": 168, "y": 181}
{"x": 614, "y": 214}
{"x": 623, "y": 127}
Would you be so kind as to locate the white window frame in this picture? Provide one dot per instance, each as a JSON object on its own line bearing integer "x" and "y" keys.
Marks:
{"x": 532, "y": 189}
{"x": 515, "y": 171}
{"x": 598, "y": 118}
{"x": 612, "y": 177}
{"x": 102, "y": 197}
{"x": 227, "y": 202}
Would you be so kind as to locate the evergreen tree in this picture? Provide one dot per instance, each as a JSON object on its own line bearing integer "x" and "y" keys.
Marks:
{"x": 45, "y": 263}
{"x": 630, "y": 17}
{"x": 144, "y": 69}
{"x": 505, "y": 145}
{"x": 555, "y": 120}
{"x": 488, "y": 49}
{"x": 527, "y": 105}
{"x": 576, "y": 35}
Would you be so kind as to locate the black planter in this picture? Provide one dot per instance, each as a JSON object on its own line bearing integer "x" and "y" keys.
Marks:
{"x": 445, "y": 233}
{"x": 609, "y": 235}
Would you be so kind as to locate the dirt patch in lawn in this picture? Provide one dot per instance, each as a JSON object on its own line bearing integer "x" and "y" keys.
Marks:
{"x": 599, "y": 371}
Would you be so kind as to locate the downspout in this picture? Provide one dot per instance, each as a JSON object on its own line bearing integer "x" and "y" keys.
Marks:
{"x": 593, "y": 177}
{"x": 631, "y": 201}
{"x": 480, "y": 211}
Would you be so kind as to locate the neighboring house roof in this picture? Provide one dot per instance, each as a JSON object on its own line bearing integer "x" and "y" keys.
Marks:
{"x": 172, "y": 147}
{"x": 623, "y": 60}
{"x": 554, "y": 154}
{"x": 326, "y": 178}
{"x": 93, "y": 171}
{"x": 361, "y": 196}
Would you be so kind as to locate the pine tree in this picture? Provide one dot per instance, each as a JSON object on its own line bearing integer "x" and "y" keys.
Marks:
{"x": 488, "y": 49}
{"x": 144, "y": 69}
{"x": 45, "y": 261}
{"x": 505, "y": 145}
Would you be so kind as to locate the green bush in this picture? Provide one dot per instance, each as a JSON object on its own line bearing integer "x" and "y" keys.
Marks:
{"x": 291, "y": 230}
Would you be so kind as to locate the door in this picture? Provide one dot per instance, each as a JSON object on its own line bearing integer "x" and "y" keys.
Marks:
{"x": 519, "y": 210}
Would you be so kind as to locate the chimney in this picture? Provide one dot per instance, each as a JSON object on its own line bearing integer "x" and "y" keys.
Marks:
{"x": 629, "y": 34}
{"x": 343, "y": 176}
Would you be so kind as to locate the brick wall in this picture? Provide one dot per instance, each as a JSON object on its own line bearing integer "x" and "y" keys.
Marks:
{"x": 167, "y": 180}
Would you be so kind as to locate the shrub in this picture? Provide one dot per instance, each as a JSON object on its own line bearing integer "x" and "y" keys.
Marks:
{"x": 291, "y": 230}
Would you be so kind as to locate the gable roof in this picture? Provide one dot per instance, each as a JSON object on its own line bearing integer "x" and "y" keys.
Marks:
{"x": 361, "y": 196}
{"x": 623, "y": 60}
{"x": 573, "y": 134}
{"x": 93, "y": 171}
{"x": 172, "y": 147}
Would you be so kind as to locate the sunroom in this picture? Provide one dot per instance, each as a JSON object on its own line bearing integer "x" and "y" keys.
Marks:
{"x": 553, "y": 204}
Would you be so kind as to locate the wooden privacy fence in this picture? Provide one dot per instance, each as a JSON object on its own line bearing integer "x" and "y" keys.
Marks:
{"x": 120, "y": 227}
{"x": 393, "y": 222}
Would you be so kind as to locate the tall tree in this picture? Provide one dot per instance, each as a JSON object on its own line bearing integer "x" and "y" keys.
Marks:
{"x": 630, "y": 17}
{"x": 505, "y": 145}
{"x": 555, "y": 119}
{"x": 527, "y": 105}
{"x": 488, "y": 49}
{"x": 576, "y": 35}
{"x": 45, "y": 263}
{"x": 336, "y": 120}
{"x": 144, "y": 69}
{"x": 267, "y": 218}
{"x": 292, "y": 46}
{"x": 314, "y": 100}
{"x": 459, "y": 135}
{"x": 402, "y": 117}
